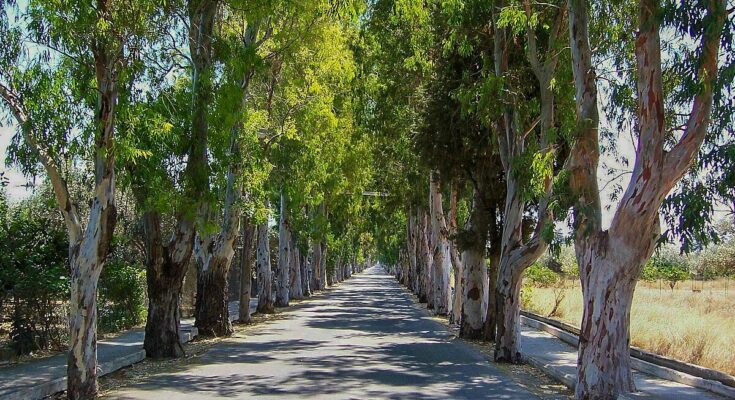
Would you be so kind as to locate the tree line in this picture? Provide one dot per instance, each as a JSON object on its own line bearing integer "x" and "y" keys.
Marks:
{"x": 210, "y": 120}
{"x": 455, "y": 138}
{"x": 493, "y": 118}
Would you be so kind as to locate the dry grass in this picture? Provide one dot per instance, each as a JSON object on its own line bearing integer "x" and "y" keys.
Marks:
{"x": 696, "y": 327}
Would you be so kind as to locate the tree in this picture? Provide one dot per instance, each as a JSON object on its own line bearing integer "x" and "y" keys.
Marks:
{"x": 670, "y": 265}
{"x": 243, "y": 36}
{"x": 541, "y": 153}
{"x": 95, "y": 43}
{"x": 610, "y": 260}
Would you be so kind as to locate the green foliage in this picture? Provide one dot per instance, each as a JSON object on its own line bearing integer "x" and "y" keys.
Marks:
{"x": 649, "y": 273}
{"x": 122, "y": 295}
{"x": 717, "y": 260}
{"x": 539, "y": 275}
{"x": 34, "y": 276}
{"x": 667, "y": 264}
{"x": 526, "y": 297}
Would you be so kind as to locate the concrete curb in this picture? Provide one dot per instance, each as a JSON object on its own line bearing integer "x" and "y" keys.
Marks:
{"x": 640, "y": 365}
{"x": 52, "y": 387}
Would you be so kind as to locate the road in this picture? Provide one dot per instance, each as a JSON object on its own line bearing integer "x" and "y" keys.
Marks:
{"x": 363, "y": 340}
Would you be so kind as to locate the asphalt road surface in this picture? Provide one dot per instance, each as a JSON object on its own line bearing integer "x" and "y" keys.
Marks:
{"x": 363, "y": 340}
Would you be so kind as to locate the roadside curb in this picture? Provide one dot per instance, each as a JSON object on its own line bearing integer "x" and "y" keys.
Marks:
{"x": 54, "y": 386}
{"x": 637, "y": 364}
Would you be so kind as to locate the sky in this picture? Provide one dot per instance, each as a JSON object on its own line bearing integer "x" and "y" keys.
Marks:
{"x": 16, "y": 189}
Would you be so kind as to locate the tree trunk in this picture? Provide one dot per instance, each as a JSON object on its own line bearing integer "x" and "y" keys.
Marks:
{"x": 316, "y": 262}
{"x": 284, "y": 256}
{"x": 604, "y": 347}
{"x": 475, "y": 277}
{"x": 88, "y": 255}
{"x": 212, "y": 313}
{"x": 162, "y": 323}
{"x": 323, "y": 266}
{"x": 442, "y": 259}
{"x": 246, "y": 271}
{"x": 82, "y": 359}
{"x": 508, "y": 336}
{"x": 305, "y": 275}
{"x": 491, "y": 317}
{"x": 296, "y": 289}
{"x": 265, "y": 297}
{"x": 474, "y": 269}
{"x": 457, "y": 293}
{"x": 165, "y": 270}
{"x": 426, "y": 256}
{"x": 411, "y": 251}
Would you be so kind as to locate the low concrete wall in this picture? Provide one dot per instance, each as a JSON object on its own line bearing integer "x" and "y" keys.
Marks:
{"x": 644, "y": 366}
{"x": 59, "y": 385}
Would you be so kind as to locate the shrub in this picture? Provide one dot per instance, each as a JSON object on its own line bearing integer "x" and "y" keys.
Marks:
{"x": 670, "y": 265}
{"x": 122, "y": 303}
{"x": 539, "y": 275}
{"x": 649, "y": 273}
{"x": 527, "y": 297}
{"x": 718, "y": 260}
{"x": 33, "y": 276}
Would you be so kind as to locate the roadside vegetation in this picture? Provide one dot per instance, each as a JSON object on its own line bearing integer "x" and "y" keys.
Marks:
{"x": 186, "y": 146}
{"x": 683, "y": 307}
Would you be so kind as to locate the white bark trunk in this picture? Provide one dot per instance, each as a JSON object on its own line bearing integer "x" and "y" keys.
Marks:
{"x": 305, "y": 275}
{"x": 284, "y": 256}
{"x": 441, "y": 255}
{"x": 263, "y": 267}
{"x": 246, "y": 265}
{"x": 296, "y": 289}
{"x": 315, "y": 264}
{"x": 610, "y": 261}
{"x": 323, "y": 266}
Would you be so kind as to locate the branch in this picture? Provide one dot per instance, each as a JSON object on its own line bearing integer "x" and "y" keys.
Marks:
{"x": 678, "y": 160}
{"x": 66, "y": 206}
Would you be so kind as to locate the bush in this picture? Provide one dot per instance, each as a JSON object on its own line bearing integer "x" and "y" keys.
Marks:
{"x": 668, "y": 264}
{"x": 34, "y": 276}
{"x": 649, "y": 273}
{"x": 718, "y": 260}
{"x": 526, "y": 297}
{"x": 121, "y": 303}
{"x": 539, "y": 275}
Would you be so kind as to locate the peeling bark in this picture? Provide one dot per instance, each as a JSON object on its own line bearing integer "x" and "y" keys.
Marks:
{"x": 610, "y": 261}
{"x": 457, "y": 292}
{"x": 517, "y": 254}
{"x": 323, "y": 266}
{"x": 284, "y": 256}
{"x": 296, "y": 288}
{"x": 475, "y": 271}
{"x": 442, "y": 258}
{"x": 316, "y": 263}
{"x": 491, "y": 316}
{"x": 165, "y": 270}
{"x": 246, "y": 271}
{"x": 263, "y": 268}
{"x": 305, "y": 275}
{"x": 427, "y": 261}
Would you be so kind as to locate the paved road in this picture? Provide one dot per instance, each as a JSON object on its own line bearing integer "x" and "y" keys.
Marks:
{"x": 363, "y": 340}
{"x": 44, "y": 376}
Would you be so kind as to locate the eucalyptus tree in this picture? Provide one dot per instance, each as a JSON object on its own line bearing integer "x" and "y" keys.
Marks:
{"x": 532, "y": 148}
{"x": 394, "y": 74}
{"x": 460, "y": 141}
{"x": 241, "y": 37}
{"x": 85, "y": 54}
{"x": 309, "y": 112}
{"x": 671, "y": 120}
